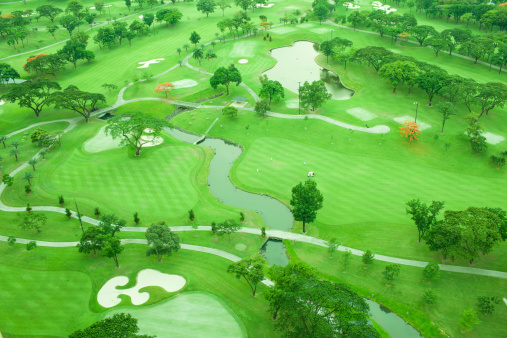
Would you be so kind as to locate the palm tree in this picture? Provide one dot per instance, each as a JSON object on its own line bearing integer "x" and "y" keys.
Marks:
{"x": 15, "y": 152}
{"x": 15, "y": 144}
{"x": 186, "y": 46}
{"x": 179, "y": 51}
{"x": 32, "y": 162}
{"x": 27, "y": 176}
{"x": 43, "y": 153}
{"x": 198, "y": 54}
{"x": 3, "y": 138}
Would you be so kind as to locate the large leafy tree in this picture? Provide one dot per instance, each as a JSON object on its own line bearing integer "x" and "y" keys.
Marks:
{"x": 131, "y": 126}
{"x": 49, "y": 11}
{"x": 92, "y": 240}
{"x": 112, "y": 248}
{"x": 409, "y": 129}
{"x": 111, "y": 224}
{"x": 194, "y": 38}
{"x": 432, "y": 82}
{"x": 372, "y": 56}
{"x": 225, "y": 76}
{"x": 73, "y": 51}
{"x": 457, "y": 37}
{"x": 45, "y": 64}
{"x": 173, "y": 16}
{"x": 162, "y": 240}
{"x": 34, "y": 95}
{"x": 69, "y": 22}
{"x": 272, "y": 90}
{"x": 491, "y": 95}
{"x": 251, "y": 269}
{"x": 79, "y": 101}
{"x": 119, "y": 325}
{"x": 319, "y": 308}
{"x": 228, "y": 227}
{"x": 313, "y": 94}
{"x": 206, "y": 6}
{"x": 437, "y": 42}
{"x": 477, "y": 47}
{"x": 424, "y": 216}
{"x": 7, "y": 72}
{"x": 306, "y": 201}
{"x": 398, "y": 72}
{"x": 465, "y": 234}
{"x": 32, "y": 221}
{"x": 422, "y": 32}
{"x": 447, "y": 110}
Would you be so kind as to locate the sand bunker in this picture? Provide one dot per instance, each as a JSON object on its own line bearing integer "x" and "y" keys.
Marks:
{"x": 243, "y": 61}
{"x": 351, "y": 5}
{"x": 151, "y": 140}
{"x": 186, "y": 83}
{"x": 103, "y": 6}
{"x": 361, "y": 114}
{"x": 2, "y": 102}
{"x": 422, "y": 125}
{"x": 493, "y": 138}
{"x": 146, "y": 64}
{"x": 265, "y": 6}
{"x": 108, "y": 294}
{"x": 101, "y": 142}
{"x": 386, "y": 8}
{"x": 141, "y": 17}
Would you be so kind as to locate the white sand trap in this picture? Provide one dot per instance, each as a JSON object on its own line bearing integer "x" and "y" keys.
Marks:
{"x": 146, "y": 64}
{"x": 361, "y": 114}
{"x": 141, "y": 17}
{"x": 239, "y": 104}
{"x": 152, "y": 140}
{"x": 186, "y": 83}
{"x": 493, "y": 138}
{"x": 2, "y": 102}
{"x": 283, "y": 30}
{"x": 108, "y": 294}
{"x": 422, "y": 125}
{"x": 103, "y": 6}
{"x": 101, "y": 142}
{"x": 242, "y": 49}
{"x": 265, "y": 6}
{"x": 292, "y": 103}
{"x": 321, "y": 30}
{"x": 242, "y": 61}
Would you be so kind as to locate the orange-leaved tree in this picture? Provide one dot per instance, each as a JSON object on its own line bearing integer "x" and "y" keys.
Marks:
{"x": 409, "y": 129}
{"x": 33, "y": 58}
{"x": 165, "y": 87}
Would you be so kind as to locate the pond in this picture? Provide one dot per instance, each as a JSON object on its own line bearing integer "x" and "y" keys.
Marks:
{"x": 297, "y": 63}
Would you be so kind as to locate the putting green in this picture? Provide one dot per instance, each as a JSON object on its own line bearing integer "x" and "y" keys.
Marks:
{"x": 188, "y": 315}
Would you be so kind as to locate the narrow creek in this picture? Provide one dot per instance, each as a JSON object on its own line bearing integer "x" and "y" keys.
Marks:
{"x": 275, "y": 216}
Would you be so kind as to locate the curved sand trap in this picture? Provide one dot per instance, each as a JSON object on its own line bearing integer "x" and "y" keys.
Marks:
{"x": 146, "y": 64}
{"x": 108, "y": 294}
{"x": 2, "y": 102}
{"x": 186, "y": 83}
{"x": 152, "y": 140}
{"x": 265, "y": 6}
{"x": 141, "y": 17}
{"x": 103, "y": 6}
{"x": 101, "y": 142}
{"x": 243, "y": 61}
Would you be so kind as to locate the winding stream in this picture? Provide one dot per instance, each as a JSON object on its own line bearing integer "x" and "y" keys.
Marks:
{"x": 275, "y": 216}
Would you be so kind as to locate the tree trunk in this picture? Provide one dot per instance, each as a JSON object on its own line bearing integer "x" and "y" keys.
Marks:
{"x": 394, "y": 90}
{"x": 304, "y": 229}
{"x": 138, "y": 151}
{"x": 116, "y": 261}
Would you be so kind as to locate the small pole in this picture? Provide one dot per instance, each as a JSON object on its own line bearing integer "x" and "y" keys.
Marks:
{"x": 416, "y": 108}
{"x": 299, "y": 97}
{"x": 79, "y": 216}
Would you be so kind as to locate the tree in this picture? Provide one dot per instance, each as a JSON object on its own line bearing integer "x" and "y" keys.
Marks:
{"x": 11, "y": 240}
{"x": 322, "y": 12}
{"x": 195, "y": 38}
{"x": 372, "y": 56}
{"x": 228, "y": 227}
{"x": 457, "y": 36}
{"x": 49, "y": 11}
{"x": 491, "y": 95}
{"x": 128, "y": 3}
{"x": 474, "y": 132}
{"x": 465, "y": 234}
{"x": 306, "y": 201}
{"x": 111, "y": 224}
{"x": 468, "y": 319}
{"x": 44, "y": 64}
{"x": 429, "y": 297}
{"x": 447, "y": 110}
{"x": 34, "y": 95}
{"x": 486, "y": 305}
{"x": 368, "y": 257}
{"x": 52, "y": 29}
{"x": 198, "y": 54}
{"x": 261, "y": 107}
{"x": 477, "y": 47}
{"x": 148, "y": 19}
{"x": 206, "y": 6}
{"x": 230, "y": 111}
{"x": 119, "y": 325}
{"x": 15, "y": 153}
{"x": 69, "y": 22}
{"x": 32, "y": 221}
{"x": 437, "y": 42}
{"x": 162, "y": 240}
{"x": 28, "y": 176}
{"x": 409, "y": 129}
{"x": 431, "y": 271}
{"x": 31, "y": 245}
{"x": 244, "y": 4}
{"x": 391, "y": 271}
{"x": 225, "y": 76}
{"x": 109, "y": 86}
{"x": 424, "y": 216}
{"x": 173, "y": 16}
{"x": 165, "y": 87}
{"x": 92, "y": 239}
{"x": 332, "y": 246}
{"x": 251, "y": 269}
{"x": 3, "y": 138}
{"x": 422, "y": 32}
{"x": 357, "y": 18}
{"x": 112, "y": 248}
{"x": 74, "y": 7}
{"x": 73, "y": 51}
{"x": 432, "y": 82}
{"x": 7, "y": 73}
{"x": 223, "y": 5}
{"x": 79, "y": 101}
{"x": 131, "y": 126}
{"x": 272, "y": 90}
{"x": 99, "y": 5}
{"x": 313, "y": 95}
{"x": 400, "y": 71}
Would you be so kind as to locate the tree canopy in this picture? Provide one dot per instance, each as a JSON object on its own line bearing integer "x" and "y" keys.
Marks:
{"x": 79, "y": 101}
{"x": 119, "y": 325}
{"x": 306, "y": 201}
{"x": 313, "y": 94}
{"x": 225, "y": 76}
{"x": 251, "y": 269}
{"x": 34, "y": 95}
{"x": 161, "y": 240}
